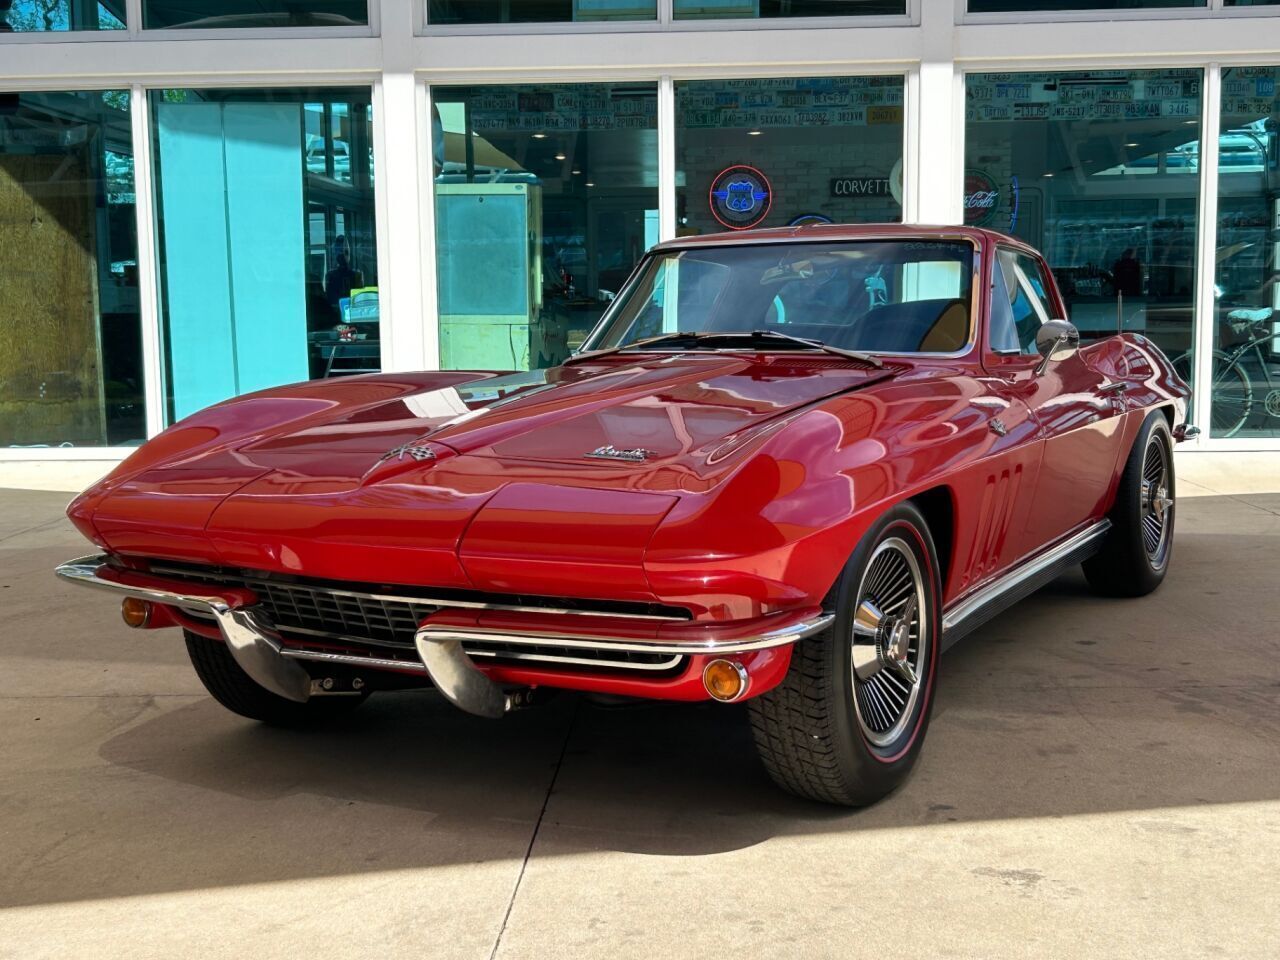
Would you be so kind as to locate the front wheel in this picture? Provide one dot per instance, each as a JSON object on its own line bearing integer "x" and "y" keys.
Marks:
{"x": 847, "y": 722}
{"x": 1135, "y": 555}
{"x": 239, "y": 693}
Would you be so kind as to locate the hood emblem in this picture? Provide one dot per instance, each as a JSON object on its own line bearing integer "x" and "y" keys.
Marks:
{"x": 610, "y": 452}
{"x": 414, "y": 450}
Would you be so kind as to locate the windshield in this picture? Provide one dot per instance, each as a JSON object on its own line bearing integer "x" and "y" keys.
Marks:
{"x": 882, "y": 296}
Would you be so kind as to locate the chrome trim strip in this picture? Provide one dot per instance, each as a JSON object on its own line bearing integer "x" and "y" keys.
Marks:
{"x": 84, "y": 571}
{"x": 778, "y": 637}
{"x": 669, "y": 663}
{"x": 250, "y": 640}
{"x": 497, "y": 654}
{"x": 351, "y": 659}
{"x": 436, "y": 602}
{"x": 962, "y": 609}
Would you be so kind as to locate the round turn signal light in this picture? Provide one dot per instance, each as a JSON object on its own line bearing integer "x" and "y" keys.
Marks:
{"x": 725, "y": 680}
{"x": 135, "y": 612}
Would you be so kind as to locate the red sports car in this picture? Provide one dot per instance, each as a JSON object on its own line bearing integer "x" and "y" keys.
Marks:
{"x": 788, "y": 467}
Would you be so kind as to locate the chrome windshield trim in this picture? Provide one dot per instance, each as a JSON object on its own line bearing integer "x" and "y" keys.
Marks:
{"x": 964, "y": 608}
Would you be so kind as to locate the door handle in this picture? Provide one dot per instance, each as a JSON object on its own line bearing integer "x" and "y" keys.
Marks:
{"x": 1116, "y": 386}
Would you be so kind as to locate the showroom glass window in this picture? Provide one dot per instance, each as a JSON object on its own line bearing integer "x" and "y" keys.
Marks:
{"x": 767, "y": 153}
{"x": 71, "y": 350}
{"x": 198, "y": 14}
{"x": 268, "y": 263}
{"x": 444, "y": 12}
{"x": 1246, "y": 360}
{"x": 1099, "y": 171}
{"x": 772, "y": 9}
{"x": 44, "y": 16}
{"x": 1010, "y": 6}
{"x": 546, "y": 197}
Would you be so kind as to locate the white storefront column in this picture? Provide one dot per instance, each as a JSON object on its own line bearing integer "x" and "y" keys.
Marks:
{"x": 1206, "y": 312}
{"x": 409, "y": 336}
{"x": 934, "y": 165}
{"x": 667, "y": 227}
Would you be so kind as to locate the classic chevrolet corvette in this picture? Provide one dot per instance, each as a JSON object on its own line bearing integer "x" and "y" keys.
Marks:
{"x": 788, "y": 467}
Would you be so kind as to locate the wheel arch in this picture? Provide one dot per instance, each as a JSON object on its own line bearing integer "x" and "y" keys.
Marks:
{"x": 937, "y": 505}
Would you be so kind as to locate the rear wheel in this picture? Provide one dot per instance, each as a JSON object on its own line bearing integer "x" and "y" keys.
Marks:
{"x": 1135, "y": 556}
{"x": 847, "y": 722}
{"x": 237, "y": 691}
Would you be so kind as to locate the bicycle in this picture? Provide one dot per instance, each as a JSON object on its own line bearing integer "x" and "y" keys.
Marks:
{"x": 1233, "y": 388}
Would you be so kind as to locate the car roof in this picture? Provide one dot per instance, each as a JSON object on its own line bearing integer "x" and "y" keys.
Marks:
{"x": 842, "y": 231}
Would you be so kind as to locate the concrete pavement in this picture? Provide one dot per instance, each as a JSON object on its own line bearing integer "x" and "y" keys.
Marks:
{"x": 1102, "y": 779}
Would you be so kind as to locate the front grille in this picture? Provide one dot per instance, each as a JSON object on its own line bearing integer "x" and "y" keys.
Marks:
{"x": 380, "y": 624}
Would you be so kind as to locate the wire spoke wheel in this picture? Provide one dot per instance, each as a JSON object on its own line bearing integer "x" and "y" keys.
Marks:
{"x": 889, "y": 647}
{"x": 1156, "y": 504}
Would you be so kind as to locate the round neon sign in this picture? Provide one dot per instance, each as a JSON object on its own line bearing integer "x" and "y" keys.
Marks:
{"x": 740, "y": 197}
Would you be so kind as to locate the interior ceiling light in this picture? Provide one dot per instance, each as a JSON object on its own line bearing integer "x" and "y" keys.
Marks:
{"x": 590, "y": 184}
{"x": 576, "y": 172}
{"x": 559, "y": 156}
{"x": 1130, "y": 144}
{"x": 754, "y": 133}
{"x": 539, "y": 136}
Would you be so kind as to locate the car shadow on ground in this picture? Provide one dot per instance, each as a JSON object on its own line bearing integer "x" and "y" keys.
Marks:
{"x": 1031, "y": 721}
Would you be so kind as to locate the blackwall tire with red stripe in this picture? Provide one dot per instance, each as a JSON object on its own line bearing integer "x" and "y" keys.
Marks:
{"x": 848, "y": 721}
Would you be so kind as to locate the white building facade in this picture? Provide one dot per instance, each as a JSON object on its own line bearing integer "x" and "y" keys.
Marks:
{"x": 200, "y": 199}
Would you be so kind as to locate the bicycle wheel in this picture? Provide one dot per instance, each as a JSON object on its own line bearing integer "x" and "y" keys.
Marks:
{"x": 1232, "y": 392}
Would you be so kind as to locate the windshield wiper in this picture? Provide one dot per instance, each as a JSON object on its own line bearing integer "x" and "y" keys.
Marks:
{"x": 819, "y": 345}
{"x": 676, "y": 335}
{"x": 695, "y": 337}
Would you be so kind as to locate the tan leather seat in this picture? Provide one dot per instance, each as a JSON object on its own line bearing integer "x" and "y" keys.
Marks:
{"x": 950, "y": 332}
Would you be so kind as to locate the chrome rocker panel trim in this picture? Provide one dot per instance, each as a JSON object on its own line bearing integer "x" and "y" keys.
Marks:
{"x": 972, "y": 611}
{"x": 261, "y": 653}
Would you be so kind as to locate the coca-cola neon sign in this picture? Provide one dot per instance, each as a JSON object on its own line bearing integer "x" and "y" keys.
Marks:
{"x": 981, "y": 198}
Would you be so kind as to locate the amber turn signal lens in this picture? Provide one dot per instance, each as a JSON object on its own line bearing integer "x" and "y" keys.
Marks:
{"x": 725, "y": 680}
{"x": 135, "y": 612}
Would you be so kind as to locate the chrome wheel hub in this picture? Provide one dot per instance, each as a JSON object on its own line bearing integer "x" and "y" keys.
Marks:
{"x": 1156, "y": 499}
{"x": 1156, "y": 506}
{"x": 888, "y": 642}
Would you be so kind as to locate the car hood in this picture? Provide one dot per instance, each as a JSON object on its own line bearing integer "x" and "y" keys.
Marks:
{"x": 668, "y": 412}
{"x": 324, "y": 486}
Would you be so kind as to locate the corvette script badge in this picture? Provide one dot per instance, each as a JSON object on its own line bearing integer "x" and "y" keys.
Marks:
{"x": 610, "y": 452}
{"x": 410, "y": 450}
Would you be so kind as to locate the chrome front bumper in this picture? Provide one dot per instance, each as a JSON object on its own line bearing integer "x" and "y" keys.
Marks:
{"x": 261, "y": 652}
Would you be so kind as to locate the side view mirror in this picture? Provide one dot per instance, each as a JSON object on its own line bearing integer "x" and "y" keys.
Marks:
{"x": 1056, "y": 340}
